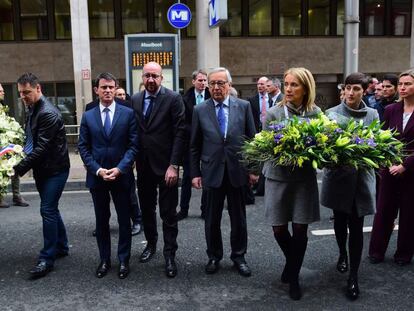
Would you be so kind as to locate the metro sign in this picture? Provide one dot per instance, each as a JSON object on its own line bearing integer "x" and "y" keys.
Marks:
{"x": 217, "y": 12}
{"x": 179, "y": 15}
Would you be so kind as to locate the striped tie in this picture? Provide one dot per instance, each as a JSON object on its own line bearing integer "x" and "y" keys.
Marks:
{"x": 28, "y": 147}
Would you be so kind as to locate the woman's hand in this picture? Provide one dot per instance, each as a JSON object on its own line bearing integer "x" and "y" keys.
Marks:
{"x": 397, "y": 169}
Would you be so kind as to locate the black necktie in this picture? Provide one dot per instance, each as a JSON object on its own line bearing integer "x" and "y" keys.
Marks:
{"x": 149, "y": 109}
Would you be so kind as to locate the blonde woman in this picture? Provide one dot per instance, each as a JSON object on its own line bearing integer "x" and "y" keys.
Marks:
{"x": 291, "y": 194}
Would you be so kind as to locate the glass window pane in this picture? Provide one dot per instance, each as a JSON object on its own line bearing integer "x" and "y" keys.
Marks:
{"x": 318, "y": 17}
{"x": 374, "y": 17}
{"x": 6, "y": 20}
{"x": 62, "y": 19}
{"x": 340, "y": 17}
{"x": 33, "y": 18}
{"x": 160, "y": 15}
{"x": 66, "y": 102}
{"x": 260, "y": 20}
{"x": 401, "y": 15}
{"x": 191, "y": 29}
{"x": 232, "y": 27}
{"x": 101, "y": 18}
{"x": 290, "y": 17}
{"x": 134, "y": 16}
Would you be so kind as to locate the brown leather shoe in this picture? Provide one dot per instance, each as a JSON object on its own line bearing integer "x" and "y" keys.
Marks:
{"x": 20, "y": 202}
{"x": 4, "y": 204}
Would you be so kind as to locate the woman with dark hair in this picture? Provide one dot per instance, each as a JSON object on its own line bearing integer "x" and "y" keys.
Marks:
{"x": 291, "y": 194}
{"x": 397, "y": 182}
{"x": 350, "y": 192}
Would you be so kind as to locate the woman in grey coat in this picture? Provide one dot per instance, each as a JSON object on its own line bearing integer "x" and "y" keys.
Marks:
{"x": 348, "y": 191}
{"x": 291, "y": 194}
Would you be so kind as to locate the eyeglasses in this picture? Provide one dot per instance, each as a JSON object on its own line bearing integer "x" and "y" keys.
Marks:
{"x": 155, "y": 76}
{"x": 220, "y": 84}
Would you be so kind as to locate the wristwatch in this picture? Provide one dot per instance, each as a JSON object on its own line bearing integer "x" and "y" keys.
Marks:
{"x": 175, "y": 167}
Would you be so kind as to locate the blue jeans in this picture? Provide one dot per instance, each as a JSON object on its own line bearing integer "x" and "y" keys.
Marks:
{"x": 54, "y": 232}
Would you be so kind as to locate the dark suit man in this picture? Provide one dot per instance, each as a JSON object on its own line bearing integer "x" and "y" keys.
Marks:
{"x": 194, "y": 96}
{"x": 47, "y": 155}
{"x": 219, "y": 125}
{"x": 136, "y": 215}
{"x": 108, "y": 147}
{"x": 160, "y": 116}
{"x": 259, "y": 103}
{"x": 273, "y": 88}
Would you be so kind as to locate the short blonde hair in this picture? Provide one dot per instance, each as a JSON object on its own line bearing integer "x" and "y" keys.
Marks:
{"x": 305, "y": 78}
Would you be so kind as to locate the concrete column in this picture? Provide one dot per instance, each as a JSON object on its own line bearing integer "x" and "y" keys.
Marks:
{"x": 81, "y": 55}
{"x": 351, "y": 36}
{"x": 412, "y": 36}
{"x": 208, "y": 40}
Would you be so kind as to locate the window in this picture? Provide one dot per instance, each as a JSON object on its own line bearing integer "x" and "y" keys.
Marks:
{"x": 232, "y": 27}
{"x": 65, "y": 101}
{"x": 191, "y": 29}
{"x": 260, "y": 20}
{"x": 318, "y": 17}
{"x": 400, "y": 17}
{"x": 374, "y": 17}
{"x": 160, "y": 15}
{"x": 6, "y": 20}
{"x": 134, "y": 16}
{"x": 101, "y": 18}
{"x": 340, "y": 17}
{"x": 62, "y": 19}
{"x": 33, "y": 18}
{"x": 289, "y": 17}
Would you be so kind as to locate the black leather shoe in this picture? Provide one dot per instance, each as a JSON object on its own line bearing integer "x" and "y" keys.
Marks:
{"x": 40, "y": 270}
{"x": 342, "y": 264}
{"x": 352, "y": 289}
{"x": 374, "y": 260}
{"x": 136, "y": 229}
{"x": 147, "y": 254}
{"x": 170, "y": 267}
{"x": 94, "y": 233}
{"x": 243, "y": 269}
{"x": 123, "y": 270}
{"x": 295, "y": 292}
{"x": 181, "y": 215}
{"x": 103, "y": 269}
{"x": 212, "y": 266}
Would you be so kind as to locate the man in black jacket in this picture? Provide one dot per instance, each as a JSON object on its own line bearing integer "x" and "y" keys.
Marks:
{"x": 194, "y": 96}
{"x": 47, "y": 155}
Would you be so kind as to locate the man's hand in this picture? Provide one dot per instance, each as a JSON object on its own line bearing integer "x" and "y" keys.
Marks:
{"x": 109, "y": 175}
{"x": 253, "y": 179}
{"x": 102, "y": 172}
{"x": 171, "y": 176}
{"x": 397, "y": 169}
{"x": 197, "y": 183}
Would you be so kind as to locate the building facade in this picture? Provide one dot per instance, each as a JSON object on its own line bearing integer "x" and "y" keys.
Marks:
{"x": 261, "y": 37}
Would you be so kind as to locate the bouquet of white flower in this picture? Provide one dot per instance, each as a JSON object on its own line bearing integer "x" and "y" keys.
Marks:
{"x": 11, "y": 150}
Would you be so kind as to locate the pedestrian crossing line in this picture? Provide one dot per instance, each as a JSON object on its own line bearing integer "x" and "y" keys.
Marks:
{"x": 332, "y": 232}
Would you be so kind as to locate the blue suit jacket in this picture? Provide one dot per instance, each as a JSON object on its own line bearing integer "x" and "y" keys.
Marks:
{"x": 119, "y": 149}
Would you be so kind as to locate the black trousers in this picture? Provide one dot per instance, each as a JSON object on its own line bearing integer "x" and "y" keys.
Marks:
{"x": 101, "y": 200}
{"x": 237, "y": 212}
{"x": 150, "y": 186}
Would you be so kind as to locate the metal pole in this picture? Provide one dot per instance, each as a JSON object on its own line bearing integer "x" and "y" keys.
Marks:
{"x": 351, "y": 36}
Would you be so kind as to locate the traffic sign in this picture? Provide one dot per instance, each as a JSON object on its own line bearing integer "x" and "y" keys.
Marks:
{"x": 179, "y": 15}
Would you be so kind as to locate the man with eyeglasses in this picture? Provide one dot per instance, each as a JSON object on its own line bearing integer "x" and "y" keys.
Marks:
{"x": 47, "y": 155}
{"x": 161, "y": 135}
{"x": 219, "y": 127}
{"x": 194, "y": 96}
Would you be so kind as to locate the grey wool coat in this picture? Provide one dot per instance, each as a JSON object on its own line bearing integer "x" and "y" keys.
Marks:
{"x": 345, "y": 186}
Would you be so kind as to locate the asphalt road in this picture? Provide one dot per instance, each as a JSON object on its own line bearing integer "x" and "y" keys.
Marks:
{"x": 73, "y": 286}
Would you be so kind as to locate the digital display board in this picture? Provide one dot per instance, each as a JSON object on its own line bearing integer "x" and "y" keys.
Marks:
{"x": 144, "y": 48}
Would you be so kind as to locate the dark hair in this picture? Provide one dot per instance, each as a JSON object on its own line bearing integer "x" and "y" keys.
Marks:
{"x": 28, "y": 77}
{"x": 392, "y": 78}
{"x": 106, "y": 76}
{"x": 357, "y": 78}
{"x": 195, "y": 73}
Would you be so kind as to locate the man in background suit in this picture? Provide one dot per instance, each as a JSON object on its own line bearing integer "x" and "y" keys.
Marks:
{"x": 218, "y": 130}
{"x": 194, "y": 96}
{"x": 273, "y": 88}
{"x": 160, "y": 116}
{"x": 259, "y": 103}
{"x": 108, "y": 147}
